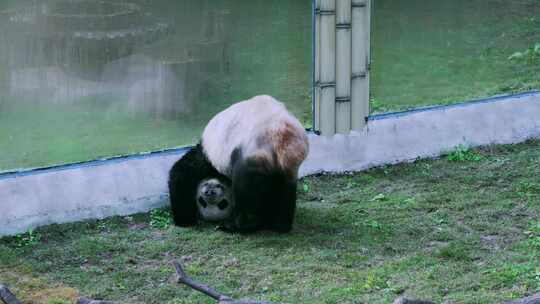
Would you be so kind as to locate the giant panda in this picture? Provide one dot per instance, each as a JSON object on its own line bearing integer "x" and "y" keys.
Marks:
{"x": 258, "y": 146}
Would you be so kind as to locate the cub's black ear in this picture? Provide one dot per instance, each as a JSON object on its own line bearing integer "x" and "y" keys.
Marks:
{"x": 184, "y": 178}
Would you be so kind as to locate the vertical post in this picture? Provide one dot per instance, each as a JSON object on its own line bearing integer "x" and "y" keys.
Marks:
{"x": 361, "y": 27}
{"x": 341, "y": 72}
{"x": 317, "y": 66}
{"x": 327, "y": 83}
{"x": 343, "y": 66}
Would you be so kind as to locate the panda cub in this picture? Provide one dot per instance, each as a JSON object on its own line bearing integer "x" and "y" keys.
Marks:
{"x": 214, "y": 199}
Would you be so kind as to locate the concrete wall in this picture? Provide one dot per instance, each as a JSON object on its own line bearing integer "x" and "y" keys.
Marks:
{"x": 406, "y": 136}
{"x": 128, "y": 185}
{"x": 92, "y": 190}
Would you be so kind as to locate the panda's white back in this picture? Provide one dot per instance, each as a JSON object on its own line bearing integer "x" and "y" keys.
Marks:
{"x": 244, "y": 124}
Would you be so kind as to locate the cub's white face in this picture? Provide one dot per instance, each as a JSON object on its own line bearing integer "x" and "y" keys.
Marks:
{"x": 214, "y": 200}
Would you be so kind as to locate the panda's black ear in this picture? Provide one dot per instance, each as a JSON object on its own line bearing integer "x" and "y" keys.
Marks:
{"x": 184, "y": 178}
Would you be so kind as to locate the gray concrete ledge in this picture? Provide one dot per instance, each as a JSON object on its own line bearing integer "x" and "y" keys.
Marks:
{"x": 72, "y": 193}
{"x": 134, "y": 184}
{"x": 406, "y": 136}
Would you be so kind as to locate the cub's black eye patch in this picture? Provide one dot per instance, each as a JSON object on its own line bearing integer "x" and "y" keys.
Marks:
{"x": 202, "y": 202}
{"x": 223, "y": 204}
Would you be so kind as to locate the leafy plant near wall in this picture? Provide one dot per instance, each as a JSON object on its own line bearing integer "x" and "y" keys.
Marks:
{"x": 160, "y": 219}
{"x": 529, "y": 56}
{"x": 28, "y": 238}
{"x": 462, "y": 153}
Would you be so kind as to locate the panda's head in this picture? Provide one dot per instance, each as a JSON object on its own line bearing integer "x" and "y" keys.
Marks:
{"x": 214, "y": 200}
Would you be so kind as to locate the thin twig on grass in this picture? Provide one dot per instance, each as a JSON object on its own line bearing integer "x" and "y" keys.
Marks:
{"x": 183, "y": 278}
{"x": 90, "y": 301}
{"x": 7, "y": 297}
{"x": 534, "y": 299}
{"x": 402, "y": 300}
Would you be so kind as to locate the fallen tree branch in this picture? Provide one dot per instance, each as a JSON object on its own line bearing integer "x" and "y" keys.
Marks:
{"x": 7, "y": 297}
{"x": 402, "y": 300}
{"x": 534, "y": 299}
{"x": 90, "y": 301}
{"x": 183, "y": 278}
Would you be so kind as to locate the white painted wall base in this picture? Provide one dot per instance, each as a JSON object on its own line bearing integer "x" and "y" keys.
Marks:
{"x": 94, "y": 190}
{"x": 406, "y": 136}
{"x": 136, "y": 184}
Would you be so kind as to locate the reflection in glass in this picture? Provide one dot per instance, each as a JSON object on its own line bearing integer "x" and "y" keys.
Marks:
{"x": 429, "y": 52}
{"x": 83, "y": 79}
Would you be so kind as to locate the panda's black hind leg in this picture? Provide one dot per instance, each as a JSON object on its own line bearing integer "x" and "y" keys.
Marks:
{"x": 283, "y": 217}
{"x": 184, "y": 177}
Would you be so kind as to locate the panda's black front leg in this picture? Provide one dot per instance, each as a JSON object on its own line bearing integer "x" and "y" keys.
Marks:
{"x": 184, "y": 177}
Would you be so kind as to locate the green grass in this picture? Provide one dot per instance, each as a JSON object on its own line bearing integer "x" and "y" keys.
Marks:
{"x": 36, "y": 135}
{"x": 461, "y": 231}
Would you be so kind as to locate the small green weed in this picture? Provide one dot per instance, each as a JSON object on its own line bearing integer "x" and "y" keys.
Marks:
{"x": 532, "y": 187}
{"x": 462, "y": 153}
{"x": 409, "y": 201}
{"x": 28, "y": 238}
{"x": 160, "y": 218}
{"x": 305, "y": 187}
{"x": 373, "y": 224}
{"x": 351, "y": 184}
{"x": 425, "y": 169}
{"x": 381, "y": 197}
{"x": 509, "y": 275}
{"x": 102, "y": 226}
{"x": 58, "y": 302}
{"x": 533, "y": 234}
{"x": 375, "y": 281}
{"x": 529, "y": 56}
{"x": 537, "y": 278}
{"x": 528, "y": 190}
{"x": 457, "y": 251}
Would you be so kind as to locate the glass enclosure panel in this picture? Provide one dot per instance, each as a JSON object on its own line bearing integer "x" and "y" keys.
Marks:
{"x": 85, "y": 79}
{"x": 428, "y": 52}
